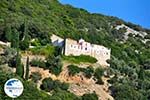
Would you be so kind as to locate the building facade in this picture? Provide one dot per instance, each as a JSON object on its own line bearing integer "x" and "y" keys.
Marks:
{"x": 81, "y": 47}
{"x": 57, "y": 41}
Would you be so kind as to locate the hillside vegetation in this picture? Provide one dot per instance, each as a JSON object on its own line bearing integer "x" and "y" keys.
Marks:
{"x": 80, "y": 59}
{"x": 22, "y": 21}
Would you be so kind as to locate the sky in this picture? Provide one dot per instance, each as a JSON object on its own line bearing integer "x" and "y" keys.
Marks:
{"x": 135, "y": 11}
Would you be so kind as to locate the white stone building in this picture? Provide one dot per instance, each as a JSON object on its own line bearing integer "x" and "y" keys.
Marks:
{"x": 76, "y": 48}
{"x": 57, "y": 41}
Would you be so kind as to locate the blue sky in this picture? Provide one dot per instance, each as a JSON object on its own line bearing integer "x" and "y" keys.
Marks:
{"x": 135, "y": 11}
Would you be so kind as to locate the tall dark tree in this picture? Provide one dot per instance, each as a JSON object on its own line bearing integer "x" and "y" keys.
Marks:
{"x": 19, "y": 66}
{"x": 27, "y": 69}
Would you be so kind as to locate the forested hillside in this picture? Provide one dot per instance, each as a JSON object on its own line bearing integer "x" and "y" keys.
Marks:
{"x": 38, "y": 19}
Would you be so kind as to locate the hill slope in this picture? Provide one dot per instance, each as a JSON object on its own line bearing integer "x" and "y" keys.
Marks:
{"x": 130, "y": 56}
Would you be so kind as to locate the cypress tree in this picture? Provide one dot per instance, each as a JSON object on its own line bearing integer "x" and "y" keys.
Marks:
{"x": 19, "y": 66}
{"x": 27, "y": 69}
{"x": 22, "y": 70}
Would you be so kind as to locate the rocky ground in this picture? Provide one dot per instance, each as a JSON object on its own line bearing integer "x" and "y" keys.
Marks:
{"x": 79, "y": 85}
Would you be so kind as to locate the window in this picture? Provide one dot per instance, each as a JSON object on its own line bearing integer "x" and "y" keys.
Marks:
{"x": 78, "y": 46}
{"x": 97, "y": 52}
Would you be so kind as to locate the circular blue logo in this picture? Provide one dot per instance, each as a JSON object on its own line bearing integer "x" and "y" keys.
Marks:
{"x": 13, "y": 88}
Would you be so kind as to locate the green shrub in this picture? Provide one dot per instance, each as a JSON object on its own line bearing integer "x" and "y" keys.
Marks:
{"x": 31, "y": 92}
{"x": 79, "y": 59}
{"x": 54, "y": 64}
{"x": 35, "y": 43}
{"x": 35, "y": 76}
{"x": 63, "y": 95}
{"x": 24, "y": 45}
{"x": 126, "y": 92}
{"x": 48, "y": 84}
{"x": 88, "y": 72}
{"x": 99, "y": 72}
{"x": 38, "y": 63}
{"x": 73, "y": 70}
{"x": 92, "y": 96}
{"x": 99, "y": 81}
{"x": 43, "y": 50}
